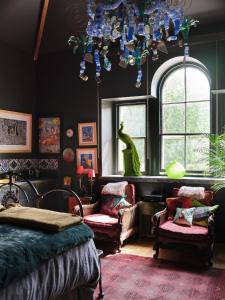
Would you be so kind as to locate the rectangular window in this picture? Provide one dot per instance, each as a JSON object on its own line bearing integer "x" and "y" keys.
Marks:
{"x": 133, "y": 115}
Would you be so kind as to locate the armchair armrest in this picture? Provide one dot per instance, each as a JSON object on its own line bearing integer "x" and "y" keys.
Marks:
{"x": 159, "y": 218}
{"x": 89, "y": 209}
{"x": 128, "y": 217}
{"x": 211, "y": 227}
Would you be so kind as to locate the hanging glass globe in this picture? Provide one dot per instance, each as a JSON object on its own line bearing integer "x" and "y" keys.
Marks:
{"x": 175, "y": 170}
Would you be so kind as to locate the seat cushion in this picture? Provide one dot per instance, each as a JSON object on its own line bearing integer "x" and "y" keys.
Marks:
{"x": 100, "y": 220}
{"x": 178, "y": 232}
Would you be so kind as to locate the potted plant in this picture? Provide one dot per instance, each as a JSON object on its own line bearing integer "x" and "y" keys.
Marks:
{"x": 216, "y": 162}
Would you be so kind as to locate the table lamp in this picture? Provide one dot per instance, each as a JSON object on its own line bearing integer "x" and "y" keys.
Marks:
{"x": 80, "y": 171}
{"x": 91, "y": 175}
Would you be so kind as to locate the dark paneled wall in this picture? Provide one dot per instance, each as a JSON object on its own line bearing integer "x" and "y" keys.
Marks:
{"x": 18, "y": 87}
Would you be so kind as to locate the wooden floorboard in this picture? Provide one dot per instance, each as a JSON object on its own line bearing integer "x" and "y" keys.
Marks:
{"x": 143, "y": 247}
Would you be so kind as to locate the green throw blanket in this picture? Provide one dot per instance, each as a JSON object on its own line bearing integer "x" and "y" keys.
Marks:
{"x": 22, "y": 250}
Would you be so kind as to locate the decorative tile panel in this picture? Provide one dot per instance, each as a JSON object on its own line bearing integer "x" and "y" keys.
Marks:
{"x": 48, "y": 164}
{"x": 27, "y": 164}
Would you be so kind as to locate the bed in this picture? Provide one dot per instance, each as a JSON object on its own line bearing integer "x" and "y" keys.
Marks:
{"x": 40, "y": 265}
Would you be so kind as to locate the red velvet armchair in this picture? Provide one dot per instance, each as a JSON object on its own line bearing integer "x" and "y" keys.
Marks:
{"x": 195, "y": 238}
{"x": 113, "y": 228}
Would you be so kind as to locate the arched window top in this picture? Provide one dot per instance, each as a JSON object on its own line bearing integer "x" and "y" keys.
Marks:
{"x": 185, "y": 83}
{"x": 167, "y": 66}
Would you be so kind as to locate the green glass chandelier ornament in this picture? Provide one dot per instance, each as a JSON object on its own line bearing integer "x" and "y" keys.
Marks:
{"x": 131, "y": 30}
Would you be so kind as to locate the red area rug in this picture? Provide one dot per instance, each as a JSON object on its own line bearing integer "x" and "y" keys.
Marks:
{"x": 132, "y": 277}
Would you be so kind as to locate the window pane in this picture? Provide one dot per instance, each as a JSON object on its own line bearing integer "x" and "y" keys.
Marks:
{"x": 172, "y": 149}
{"x": 173, "y": 87}
{"x": 134, "y": 118}
{"x": 195, "y": 156}
{"x": 140, "y": 145}
{"x": 198, "y": 87}
{"x": 198, "y": 117}
{"x": 173, "y": 118}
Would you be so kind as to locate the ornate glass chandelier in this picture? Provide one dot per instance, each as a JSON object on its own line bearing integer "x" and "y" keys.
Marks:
{"x": 132, "y": 30}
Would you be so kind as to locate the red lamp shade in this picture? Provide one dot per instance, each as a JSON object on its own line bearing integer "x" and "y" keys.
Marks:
{"x": 91, "y": 173}
{"x": 80, "y": 169}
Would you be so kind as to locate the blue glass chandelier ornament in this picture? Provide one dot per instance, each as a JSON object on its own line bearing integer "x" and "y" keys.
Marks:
{"x": 131, "y": 29}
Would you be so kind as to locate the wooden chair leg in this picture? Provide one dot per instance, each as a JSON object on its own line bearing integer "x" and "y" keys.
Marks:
{"x": 156, "y": 254}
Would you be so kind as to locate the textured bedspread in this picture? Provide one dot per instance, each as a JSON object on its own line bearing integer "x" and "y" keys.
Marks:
{"x": 75, "y": 270}
{"x": 23, "y": 250}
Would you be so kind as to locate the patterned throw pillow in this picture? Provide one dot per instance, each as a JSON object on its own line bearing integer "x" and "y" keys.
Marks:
{"x": 110, "y": 205}
{"x": 184, "y": 216}
{"x": 173, "y": 203}
{"x": 203, "y": 222}
{"x": 203, "y": 212}
{"x": 116, "y": 188}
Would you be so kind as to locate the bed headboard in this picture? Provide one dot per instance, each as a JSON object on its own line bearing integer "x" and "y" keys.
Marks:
{"x": 11, "y": 196}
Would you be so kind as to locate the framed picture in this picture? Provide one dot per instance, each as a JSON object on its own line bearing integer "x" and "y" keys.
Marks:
{"x": 49, "y": 135}
{"x": 87, "y": 157}
{"x": 87, "y": 134}
{"x": 15, "y": 132}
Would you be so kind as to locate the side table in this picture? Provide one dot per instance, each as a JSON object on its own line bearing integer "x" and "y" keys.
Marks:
{"x": 147, "y": 209}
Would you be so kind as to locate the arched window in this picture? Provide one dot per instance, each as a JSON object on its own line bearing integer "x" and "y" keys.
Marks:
{"x": 184, "y": 92}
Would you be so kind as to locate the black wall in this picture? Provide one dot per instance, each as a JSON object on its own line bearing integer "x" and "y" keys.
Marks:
{"x": 18, "y": 87}
{"x": 61, "y": 92}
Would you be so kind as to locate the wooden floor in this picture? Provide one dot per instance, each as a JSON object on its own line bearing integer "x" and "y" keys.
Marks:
{"x": 143, "y": 247}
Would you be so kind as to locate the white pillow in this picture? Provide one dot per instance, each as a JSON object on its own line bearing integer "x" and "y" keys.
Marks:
{"x": 193, "y": 192}
{"x": 117, "y": 188}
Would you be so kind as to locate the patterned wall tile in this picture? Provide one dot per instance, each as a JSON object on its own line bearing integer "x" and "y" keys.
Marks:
{"x": 48, "y": 164}
{"x": 26, "y": 164}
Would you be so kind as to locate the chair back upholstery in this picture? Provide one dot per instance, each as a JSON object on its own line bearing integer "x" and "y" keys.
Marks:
{"x": 130, "y": 192}
{"x": 208, "y": 200}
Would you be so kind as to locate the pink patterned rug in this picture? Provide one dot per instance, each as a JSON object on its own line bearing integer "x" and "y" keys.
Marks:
{"x": 131, "y": 277}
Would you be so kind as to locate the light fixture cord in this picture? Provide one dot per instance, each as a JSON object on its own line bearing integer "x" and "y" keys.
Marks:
{"x": 147, "y": 108}
{"x": 98, "y": 118}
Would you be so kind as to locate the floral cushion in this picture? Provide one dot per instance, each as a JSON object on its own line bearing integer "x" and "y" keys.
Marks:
{"x": 110, "y": 205}
{"x": 203, "y": 212}
{"x": 184, "y": 216}
{"x": 173, "y": 203}
{"x": 116, "y": 188}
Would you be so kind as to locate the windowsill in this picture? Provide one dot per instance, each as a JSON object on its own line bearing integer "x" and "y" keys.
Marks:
{"x": 191, "y": 179}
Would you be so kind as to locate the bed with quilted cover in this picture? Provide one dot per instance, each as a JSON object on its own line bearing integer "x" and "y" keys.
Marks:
{"x": 38, "y": 265}
{"x": 44, "y": 255}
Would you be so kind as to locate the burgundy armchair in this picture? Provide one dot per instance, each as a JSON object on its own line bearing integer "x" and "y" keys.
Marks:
{"x": 197, "y": 239}
{"x": 113, "y": 228}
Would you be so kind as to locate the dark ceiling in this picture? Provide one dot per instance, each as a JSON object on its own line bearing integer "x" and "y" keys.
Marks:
{"x": 19, "y": 21}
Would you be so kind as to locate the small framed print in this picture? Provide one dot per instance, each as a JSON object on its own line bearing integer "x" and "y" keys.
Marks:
{"x": 87, "y": 134}
{"x": 87, "y": 157}
{"x": 49, "y": 135}
{"x": 15, "y": 132}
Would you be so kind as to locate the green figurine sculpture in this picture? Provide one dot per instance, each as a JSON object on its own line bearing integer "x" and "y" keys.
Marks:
{"x": 130, "y": 155}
